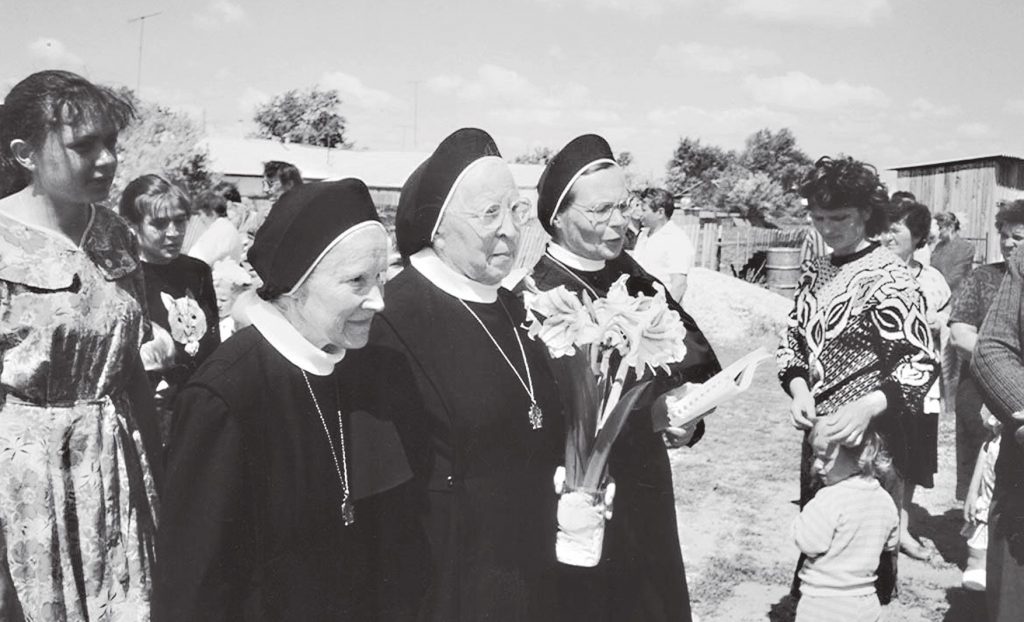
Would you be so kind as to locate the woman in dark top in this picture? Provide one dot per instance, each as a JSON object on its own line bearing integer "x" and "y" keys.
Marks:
{"x": 583, "y": 203}
{"x": 276, "y": 503}
{"x": 953, "y": 256}
{"x": 179, "y": 289}
{"x": 473, "y": 395}
{"x": 970, "y": 305}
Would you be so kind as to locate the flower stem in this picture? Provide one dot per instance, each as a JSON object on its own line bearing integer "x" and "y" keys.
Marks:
{"x": 613, "y": 395}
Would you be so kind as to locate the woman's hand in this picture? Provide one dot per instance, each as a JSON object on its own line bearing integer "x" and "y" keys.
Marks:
{"x": 848, "y": 424}
{"x": 1018, "y": 434}
{"x": 679, "y": 436}
{"x": 158, "y": 354}
{"x": 801, "y": 409}
{"x": 971, "y": 506}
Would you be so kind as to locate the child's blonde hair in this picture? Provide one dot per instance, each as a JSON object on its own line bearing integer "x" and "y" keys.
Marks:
{"x": 871, "y": 455}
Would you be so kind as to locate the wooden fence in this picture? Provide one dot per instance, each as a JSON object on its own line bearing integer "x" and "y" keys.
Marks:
{"x": 716, "y": 247}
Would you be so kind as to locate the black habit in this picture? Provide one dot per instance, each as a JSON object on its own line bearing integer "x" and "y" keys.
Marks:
{"x": 251, "y": 525}
{"x": 641, "y": 575}
{"x": 483, "y": 475}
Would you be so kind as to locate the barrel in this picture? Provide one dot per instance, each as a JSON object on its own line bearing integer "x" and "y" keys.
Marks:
{"x": 783, "y": 267}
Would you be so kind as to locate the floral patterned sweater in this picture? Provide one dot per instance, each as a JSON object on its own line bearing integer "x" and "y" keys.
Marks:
{"x": 858, "y": 325}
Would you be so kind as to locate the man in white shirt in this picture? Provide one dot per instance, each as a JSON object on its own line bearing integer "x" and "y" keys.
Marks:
{"x": 662, "y": 248}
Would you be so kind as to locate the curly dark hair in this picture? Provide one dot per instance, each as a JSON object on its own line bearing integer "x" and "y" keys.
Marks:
{"x": 46, "y": 100}
{"x": 917, "y": 218}
{"x": 1010, "y": 213}
{"x": 835, "y": 183}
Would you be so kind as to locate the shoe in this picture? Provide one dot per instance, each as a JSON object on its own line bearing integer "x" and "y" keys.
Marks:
{"x": 913, "y": 548}
{"x": 974, "y": 579}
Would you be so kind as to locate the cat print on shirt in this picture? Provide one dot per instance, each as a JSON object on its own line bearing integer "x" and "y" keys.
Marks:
{"x": 186, "y": 320}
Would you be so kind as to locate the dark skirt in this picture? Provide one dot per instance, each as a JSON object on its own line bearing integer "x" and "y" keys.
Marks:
{"x": 1005, "y": 561}
{"x": 922, "y": 430}
{"x": 641, "y": 577}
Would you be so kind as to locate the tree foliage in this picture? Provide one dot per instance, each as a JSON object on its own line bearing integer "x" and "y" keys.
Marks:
{"x": 308, "y": 117}
{"x": 163, "y": 142}
{"x": 538, "y": 155}
{"x": 759, "y": 182}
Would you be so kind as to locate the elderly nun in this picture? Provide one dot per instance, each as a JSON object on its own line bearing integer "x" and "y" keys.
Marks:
{"x": 471, "y": 393}
{"x": 583, "y": 203}
{"x": 272, "y": 502}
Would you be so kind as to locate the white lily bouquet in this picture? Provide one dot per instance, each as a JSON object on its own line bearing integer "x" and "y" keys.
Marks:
{"x": 596, "y": 344}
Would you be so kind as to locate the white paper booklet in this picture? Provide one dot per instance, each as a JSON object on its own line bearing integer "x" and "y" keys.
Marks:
{"x": 722, "y": 387}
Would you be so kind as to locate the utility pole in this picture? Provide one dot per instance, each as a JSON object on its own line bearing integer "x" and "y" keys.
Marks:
{"x": 142, "y": 27}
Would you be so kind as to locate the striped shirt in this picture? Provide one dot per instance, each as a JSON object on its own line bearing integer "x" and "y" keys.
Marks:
{"x": 843, "y": 530}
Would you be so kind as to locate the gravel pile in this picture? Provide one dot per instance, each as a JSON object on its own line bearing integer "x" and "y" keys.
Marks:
{"x": 732, "y": 311}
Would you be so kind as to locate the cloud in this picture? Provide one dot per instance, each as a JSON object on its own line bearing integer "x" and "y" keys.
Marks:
{"x": 974, "y": 130}
{"x": 802, "y": 92}
{"x": 354, "y": 93}
{"x": 250, "y": 99}
{"x": 921, "y": 108}
{"x": 714, "y": 59}
{"x": 54, "y": 52}
{"x": 219, "y": 13}
{"x": 1016, "y": 106}
{"x": 508, "y": 96}
{"x": 826, "y": 12}
{"x": 725, "y": 124}
{"x": 641, "y": 8}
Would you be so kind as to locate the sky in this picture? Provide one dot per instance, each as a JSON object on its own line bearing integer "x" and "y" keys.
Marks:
{"x": 891, "y": 82}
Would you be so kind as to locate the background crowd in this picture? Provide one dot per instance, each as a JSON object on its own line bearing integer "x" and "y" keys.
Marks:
{"x": 208, "y": 412}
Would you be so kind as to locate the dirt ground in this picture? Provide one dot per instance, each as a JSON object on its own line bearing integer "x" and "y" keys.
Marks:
{"x": 736, "y": 493}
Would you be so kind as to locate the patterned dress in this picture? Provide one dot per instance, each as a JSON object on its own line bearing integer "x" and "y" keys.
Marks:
{"x": 77, "y": 498}
{"x": 970, "y": 305}
{"x": 859, "y": 325}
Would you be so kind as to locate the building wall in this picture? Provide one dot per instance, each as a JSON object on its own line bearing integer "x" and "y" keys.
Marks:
{"x": 967, "y": 189}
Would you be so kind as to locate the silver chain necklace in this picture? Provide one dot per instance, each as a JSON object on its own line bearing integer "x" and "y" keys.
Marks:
{"x": 535, "y": 414}
{"x": 348, "y": 511}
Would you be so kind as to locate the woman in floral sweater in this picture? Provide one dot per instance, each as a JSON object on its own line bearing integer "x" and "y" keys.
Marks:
{"x": 858, "y": 350}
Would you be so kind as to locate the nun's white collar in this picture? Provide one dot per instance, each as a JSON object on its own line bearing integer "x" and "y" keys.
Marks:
{"x": 573, "y": 260}
{"x": 289, "y": 342}
{"x": 449, "y": 281}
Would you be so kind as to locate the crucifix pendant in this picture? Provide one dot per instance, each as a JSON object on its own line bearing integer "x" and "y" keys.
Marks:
{"x": 348, "y": 512}
{"x": 536, "y": 416}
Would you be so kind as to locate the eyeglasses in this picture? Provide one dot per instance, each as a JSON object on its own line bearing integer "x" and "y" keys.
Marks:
{"x": 492, "y": 217}
{"x": 601, "y": 214}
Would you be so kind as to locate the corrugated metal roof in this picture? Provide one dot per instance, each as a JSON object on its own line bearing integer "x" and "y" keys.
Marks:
{"x": 957, "y": 161}
{"x": 378, "y": 169}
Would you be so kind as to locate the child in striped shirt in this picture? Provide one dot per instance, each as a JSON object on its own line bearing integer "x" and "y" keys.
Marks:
{"x": 843, "y": 531}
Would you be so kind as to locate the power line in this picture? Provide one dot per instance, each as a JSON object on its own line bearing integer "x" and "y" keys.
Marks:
{"x": 142, "y": 27}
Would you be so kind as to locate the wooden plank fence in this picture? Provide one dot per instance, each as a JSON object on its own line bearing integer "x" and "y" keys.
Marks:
{"x": 716, "y": 247}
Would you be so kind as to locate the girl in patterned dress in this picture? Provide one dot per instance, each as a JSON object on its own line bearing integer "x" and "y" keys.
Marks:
{"x": 843, "y": 529}
{"x": 857, "y": 351}
{"x": 77, "y": 494}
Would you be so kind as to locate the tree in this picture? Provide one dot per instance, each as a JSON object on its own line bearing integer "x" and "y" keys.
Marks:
{"x": 695, "y": 169}
{"x": 539, "y": 155}
{"x": 161, "y": 141}
{"x": 759, "y": 182}
{"x": 308, "y": 117}
{"x": 777, "y": 156}
{"x": 755, "y": 195}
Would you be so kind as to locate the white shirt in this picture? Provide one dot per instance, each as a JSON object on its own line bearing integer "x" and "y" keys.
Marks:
{"x": 665, "y": 252}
